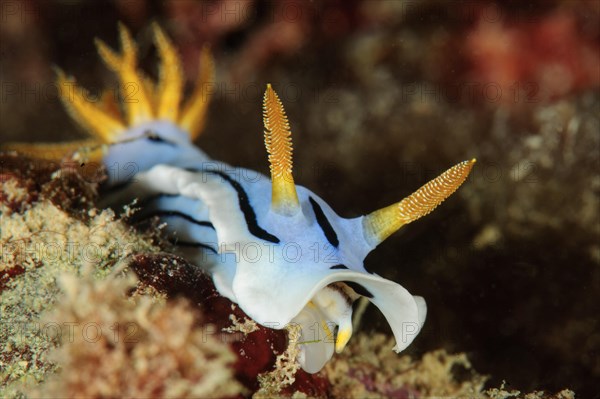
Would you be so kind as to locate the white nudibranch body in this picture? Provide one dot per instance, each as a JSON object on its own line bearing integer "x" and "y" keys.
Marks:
{"x": 306, "y": 268}
{"x": 274, "y": 248}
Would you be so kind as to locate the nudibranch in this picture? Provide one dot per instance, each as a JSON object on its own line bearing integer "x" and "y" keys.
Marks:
{"x": 273, "y": 247}
{"x": 127, "y": 145}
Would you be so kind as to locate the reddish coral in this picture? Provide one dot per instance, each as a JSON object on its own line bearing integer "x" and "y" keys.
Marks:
{"x": 25, "y": 175}
{"x": 256, "y": 351}
{"x": 532, "y": 60}
{"x": 68, "y": 185}
{"x": 6, "y": 275}
{"x": 266, "y": 30}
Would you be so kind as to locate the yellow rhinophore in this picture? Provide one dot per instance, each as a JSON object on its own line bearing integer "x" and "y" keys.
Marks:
{"x": 278, "y": 140}
{"x": 379, "y": 225}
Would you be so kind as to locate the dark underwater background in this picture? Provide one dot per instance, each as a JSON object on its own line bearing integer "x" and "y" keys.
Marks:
{"x": 383, "y": 96}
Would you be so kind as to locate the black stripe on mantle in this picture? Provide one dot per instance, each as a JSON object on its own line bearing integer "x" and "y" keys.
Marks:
{"x": 245, "y": 207}
{"x": 328, "y": 230}
{"x": 170, "y": 213}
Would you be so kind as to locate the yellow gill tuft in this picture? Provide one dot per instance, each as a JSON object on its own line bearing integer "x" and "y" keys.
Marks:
{"x": 193, "y": 116}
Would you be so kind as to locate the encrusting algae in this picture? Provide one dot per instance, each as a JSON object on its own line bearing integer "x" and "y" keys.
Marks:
{"x": 286, "y": 367}
{"x": 38, "y": 241}
{"x": 134, "y": 347}
{"x": 368, "y": 370}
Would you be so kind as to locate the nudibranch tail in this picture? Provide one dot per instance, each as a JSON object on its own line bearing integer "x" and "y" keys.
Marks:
{"x": 193, "y": 116}
{"x": 380, "y": 224}
{"x": 278, "y": 141}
